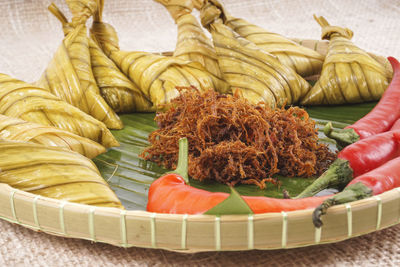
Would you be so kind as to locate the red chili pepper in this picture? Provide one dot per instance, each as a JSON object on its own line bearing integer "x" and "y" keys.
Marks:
{"x": 171, "y": 194}
{"x": 380, "y": 118}
{"x": 396, "y": 126}
{"x": 375, "y": 182}
{"x": 381, "y": 179}
{"x": 370, "y": 153}
{"x": 355, "y": 160}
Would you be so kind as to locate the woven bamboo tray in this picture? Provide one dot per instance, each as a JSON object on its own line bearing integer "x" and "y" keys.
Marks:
{"x": 195, "y": 233}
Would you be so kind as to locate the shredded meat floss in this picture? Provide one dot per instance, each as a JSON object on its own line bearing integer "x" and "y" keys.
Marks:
{"x": 233, "y": 141}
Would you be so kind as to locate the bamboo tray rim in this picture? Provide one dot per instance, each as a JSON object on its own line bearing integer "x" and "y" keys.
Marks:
{"x": 50, "y": 216}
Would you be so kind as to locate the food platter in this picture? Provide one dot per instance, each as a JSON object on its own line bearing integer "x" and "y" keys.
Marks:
{"x": 191, "y": 233}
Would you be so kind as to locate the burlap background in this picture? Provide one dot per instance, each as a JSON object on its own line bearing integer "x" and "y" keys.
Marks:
{"x": 28, "y": 37}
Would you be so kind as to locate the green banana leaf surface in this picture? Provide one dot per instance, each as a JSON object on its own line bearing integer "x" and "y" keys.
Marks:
{"x": 130, "y": 176}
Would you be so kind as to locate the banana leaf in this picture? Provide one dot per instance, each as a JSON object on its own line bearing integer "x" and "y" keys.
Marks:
{"x": 130, "y": 176}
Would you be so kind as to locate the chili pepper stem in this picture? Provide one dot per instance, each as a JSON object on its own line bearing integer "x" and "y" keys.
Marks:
{"x": 351, "y": 193}
{"x": 286, "y": 194}
{"x": 343, "y": 137}
{"x": 337, "y": 176}
{"x": 182, "y": 166}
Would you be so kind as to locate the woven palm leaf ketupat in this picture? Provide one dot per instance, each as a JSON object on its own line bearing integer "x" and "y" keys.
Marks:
{"x": 81, "y": 10}
{"x": 116, "y": 89}
{"x": 255, "y": 74}
{"x": 34, "y": 104}
{"x": 14, "y": 129}
{"x": 349, "y": 74}
{"x": 304, "y": 61}
{"x": 192, "y": 42}
{"x": 54, "y": 172}
{"x": 69, "y": 75}
{"x": 321, "y": 46}
{"x": 157, "y": 76}
{"x": 120, "y": 93}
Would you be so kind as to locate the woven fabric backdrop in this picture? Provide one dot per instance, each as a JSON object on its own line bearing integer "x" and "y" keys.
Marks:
{"x": 28, "y": 37}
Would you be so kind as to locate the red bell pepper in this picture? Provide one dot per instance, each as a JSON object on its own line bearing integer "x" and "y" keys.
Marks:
{"x": 380, "y": 119}
{"x": 171, "y": 194}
